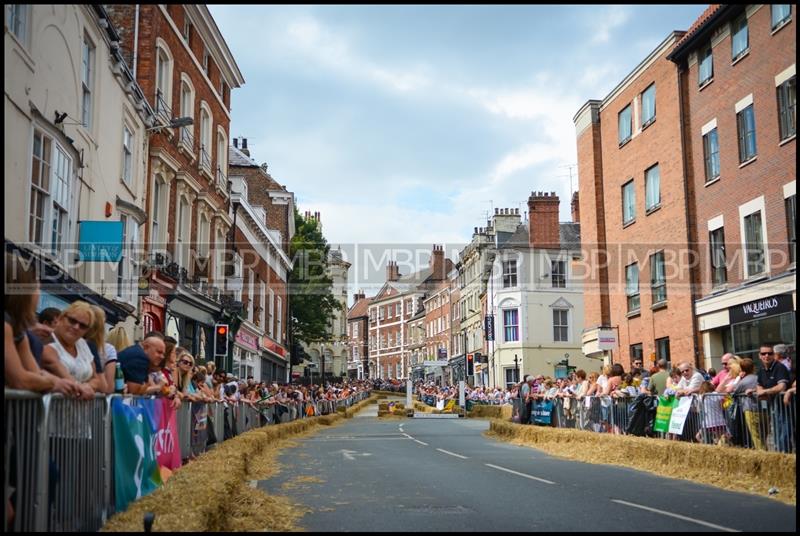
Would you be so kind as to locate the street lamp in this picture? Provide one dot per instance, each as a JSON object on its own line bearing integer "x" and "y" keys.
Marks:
{"x": 175, "y": 122}
{"x": 516, "y": 368}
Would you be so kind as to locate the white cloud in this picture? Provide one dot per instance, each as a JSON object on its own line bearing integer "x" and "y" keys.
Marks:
{"x": 607, "y": 22}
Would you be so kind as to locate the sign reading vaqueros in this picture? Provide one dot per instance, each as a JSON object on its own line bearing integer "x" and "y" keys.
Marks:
{"x": 762, "y": 308}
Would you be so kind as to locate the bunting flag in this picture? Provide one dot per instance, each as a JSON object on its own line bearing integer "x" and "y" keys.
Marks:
{"x": 146, "y": 447}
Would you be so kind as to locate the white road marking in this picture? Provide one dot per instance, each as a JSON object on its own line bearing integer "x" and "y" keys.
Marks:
{"x": 519, "y": 474}
{"x": 420, "y": 442}
{"x": 408, "y": 436}
{"x": 453, "y": 454}
{"x": 678, "y": 516}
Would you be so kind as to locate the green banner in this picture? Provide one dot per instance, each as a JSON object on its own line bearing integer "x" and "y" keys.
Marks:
{"x": 136, "y": 471}
{"x": 664, "y": 413}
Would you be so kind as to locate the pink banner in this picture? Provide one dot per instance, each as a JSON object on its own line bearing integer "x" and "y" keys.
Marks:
{"x": 166, "y": 443}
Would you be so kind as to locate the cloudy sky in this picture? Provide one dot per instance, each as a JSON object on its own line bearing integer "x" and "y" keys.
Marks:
{"x": 410, "y": 123}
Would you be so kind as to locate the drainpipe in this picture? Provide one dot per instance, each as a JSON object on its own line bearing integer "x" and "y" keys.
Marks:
{"x": 135, "y": 41}
{"x": 689, "y": 220}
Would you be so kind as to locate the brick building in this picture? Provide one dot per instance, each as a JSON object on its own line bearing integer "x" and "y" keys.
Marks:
{"x": 437, "y": 324}
{"x": 738, "y": 79}
{"x": 358, "y": 337}
{"x": 633, "y": 206}
{"x": 262, "y": 212}
{"x": 185, "y": 69}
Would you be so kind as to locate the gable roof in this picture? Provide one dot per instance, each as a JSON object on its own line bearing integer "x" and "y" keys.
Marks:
{"x": 359, "y": 309}
{"x": 699, "y": 30}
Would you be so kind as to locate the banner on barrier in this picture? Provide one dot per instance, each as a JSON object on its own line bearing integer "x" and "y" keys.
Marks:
{"x": 542, "y": 412}
{"x": 679, "y": 414}
{"x": 146, "y": 447}
{"x": 664, "y": 413}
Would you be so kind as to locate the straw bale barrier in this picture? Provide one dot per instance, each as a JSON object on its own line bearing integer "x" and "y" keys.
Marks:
{"x": 481, "y": 411}
{"x": 212, "y": 493}
{"x": 731, "y": 468}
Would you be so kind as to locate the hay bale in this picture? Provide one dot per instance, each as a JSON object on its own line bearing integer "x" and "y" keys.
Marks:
{"x": 729, "y": 468}
{"x": 399, "y": 406}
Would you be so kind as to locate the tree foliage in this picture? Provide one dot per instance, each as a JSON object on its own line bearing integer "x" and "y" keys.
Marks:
{"x": 310, "y": 288}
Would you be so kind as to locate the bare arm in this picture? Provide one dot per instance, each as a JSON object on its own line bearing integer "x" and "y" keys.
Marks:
{"x": 20, "y": 368}
{"x": 109, "y": 374}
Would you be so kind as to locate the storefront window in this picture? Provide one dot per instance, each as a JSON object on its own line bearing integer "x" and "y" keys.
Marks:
{"x": 748, "y": 336}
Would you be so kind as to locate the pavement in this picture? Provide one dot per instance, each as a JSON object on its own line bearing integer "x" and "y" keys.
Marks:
{"x": 444, "y": 475}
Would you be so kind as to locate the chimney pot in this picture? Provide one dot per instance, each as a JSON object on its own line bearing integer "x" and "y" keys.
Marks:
{"x": 236, "y": 142}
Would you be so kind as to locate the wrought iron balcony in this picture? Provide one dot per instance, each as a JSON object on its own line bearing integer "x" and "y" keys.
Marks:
{"x": 187, "y": 138}
{"x": 222, "y": 179}
{"x": 205, "y": 159}
{"x": 163, "y": 110}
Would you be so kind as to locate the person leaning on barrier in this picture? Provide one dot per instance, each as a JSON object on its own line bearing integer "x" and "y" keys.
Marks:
{"x": 690, "y": 381}
{"x": 722, "y": 374}
{"x": 773, "y": 379}
{"x": 20, "y": 367}
{"x": 746, "y": 386}
{"x": 734, "y": 376}
{"x": 782, "y": 356}
{"x": 139, "y": 360}
{"x": 70, "y": 349}
{"x": 103, "y": 351}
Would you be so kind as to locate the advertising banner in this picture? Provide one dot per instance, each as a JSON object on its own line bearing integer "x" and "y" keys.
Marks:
{"x": 679, "y": 414}
{"x": 664, "y": 413}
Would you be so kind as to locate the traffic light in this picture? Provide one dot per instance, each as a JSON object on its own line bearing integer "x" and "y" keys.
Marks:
{"x": 221, "y": 340}
{"x": 470, "y": 365}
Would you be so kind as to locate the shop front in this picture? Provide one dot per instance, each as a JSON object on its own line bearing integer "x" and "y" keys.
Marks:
{"x": 458, "y": 369}
{"x": 155, "y": 289}
{"x": 246, "y": 355}
{"x": 190, "y": 320}
{"x": 274, "y": 365}
{"x": 740, "y": 322}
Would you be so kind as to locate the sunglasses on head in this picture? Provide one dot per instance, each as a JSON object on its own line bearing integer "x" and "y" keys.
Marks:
{"x": 76, "y": 322}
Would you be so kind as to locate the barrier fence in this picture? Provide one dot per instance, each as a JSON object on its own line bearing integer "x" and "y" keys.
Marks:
{"x": 59, "y": 452}
{"x": 741, "y": 420}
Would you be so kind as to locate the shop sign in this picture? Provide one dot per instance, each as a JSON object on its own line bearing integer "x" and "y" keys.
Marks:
{"x": 247, "y": 340}
{"x": 268, "y": 344}
{"x": 607, "y": 339}
{"x": 762, "y": 308}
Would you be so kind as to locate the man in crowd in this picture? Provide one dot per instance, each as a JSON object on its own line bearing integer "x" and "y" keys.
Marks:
{"x": 723, "y": 374}
{"x": 658, "y": 382}
{"x": 690, "y": 382}
{"x": 782, "y": 356}
{"x": 638, "y": 369}
{"x": 139, "y": 360}
{"x": 773, "y": 379}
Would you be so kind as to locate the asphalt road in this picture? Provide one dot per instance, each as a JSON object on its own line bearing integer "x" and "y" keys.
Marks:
{"x": 444, "y": 475}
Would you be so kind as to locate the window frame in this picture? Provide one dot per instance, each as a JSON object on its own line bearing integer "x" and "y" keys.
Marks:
{"x": 508, "y": 328}
{"x": 127, "y": 154}
{"x": 563, "y": 315}
{"x": 744, "y": 134}
{"x": 716, "y": 244}
{"x": 784, "y": 21}
{"x": 736, "y": 27}
{"x": 700, "y": 60}
{"x": 561, "y": 275}
{"x": 88, "y": 62}
{"x": 711, "y": 157}
{"x": 627, "y": 109}
{"x": 790, "y": 206}
{"x": 648, "y": 176}
{"x": 658, "y": 281}
{"x": 631, "y": 187}
{"x": 18, "y": 18}
{"x": 659, "y": 351}
{"x": 632, "y": 296}
{"x": 787, "y": 109}
{"x": 747, "y": 243}
{"x": 509, "y": 273}
{"x": 649, "y": 120}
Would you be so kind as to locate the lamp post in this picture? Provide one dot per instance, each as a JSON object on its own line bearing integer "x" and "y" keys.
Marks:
{"x": 516, "y": 368}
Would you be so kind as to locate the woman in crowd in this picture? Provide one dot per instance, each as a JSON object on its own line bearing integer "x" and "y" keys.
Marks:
{"x": 118, "y": 338}
{"x": 21, "y": 299}
{"x": 183, "y": 375}
{"x": 728, "y": 385}
{"x": 200, "y": 385}
{"x": 104, "y": 351}
{"x": 70, "y": 349}
{"x": 747, "y": 386}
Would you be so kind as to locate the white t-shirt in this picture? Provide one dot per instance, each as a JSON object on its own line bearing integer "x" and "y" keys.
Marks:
{"x": 80, "y": 367}
{"x": 695, "y": 383}
{"x": 111, "y": 354}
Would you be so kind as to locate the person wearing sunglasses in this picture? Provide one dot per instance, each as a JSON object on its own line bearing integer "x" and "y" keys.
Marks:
{"x": 773, "y": 379}
{"x": 69, "y": 348}
{"x": 690, "y": 382}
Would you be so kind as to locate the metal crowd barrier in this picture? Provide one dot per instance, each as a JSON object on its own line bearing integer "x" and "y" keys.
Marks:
{"x": 713, "y": 418}
{"x": 59, "y": 453}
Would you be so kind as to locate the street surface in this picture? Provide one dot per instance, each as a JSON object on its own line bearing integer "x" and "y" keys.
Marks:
{"x": 444, "y": 475}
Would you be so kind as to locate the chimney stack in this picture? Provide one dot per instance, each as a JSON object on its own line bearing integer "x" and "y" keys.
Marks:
{"x": 544, "y": 228}
{"x": 236, "y": 142}
{"x": 437, "y": 262}
{"x": 244, "y": 148}
{"x": 576, "y": 209}
{"x": 392, "y": 271}
{"x": 358, "y": 296}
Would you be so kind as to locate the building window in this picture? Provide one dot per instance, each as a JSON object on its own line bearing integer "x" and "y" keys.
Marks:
{"x": 636, "y": 351}
{"x": 649, "y": 105}
{"x": 625, "y": 125}
{"x": 187, "y": 29}
{"x": 658, "y": 279}
{"x": 182, "y": 232}
{"x": 509, "y": 274}
{"x": 206, "y": 61}
{"x": 558, "y": 274}
{"x": 787, "y": 108}
{"x": 662, "y": 349}
{"x": 628, "y": 202}
{"x": 511, "y": 324}
{"x": 87, "y": 71}
{"x": 560, "y": 325}
{"x": 791, "y": 224}
{"x": 754, "y": 244}
{"x": 187, "y": 110}
{"x": 781, "y": 14}
{"x": 705, "y": 70}
{"x": 121, "y": 266}
{"x": 127, "y": 154}
{"x": 711, "y": 155}
{"x": 40, "y": 185}
{"x": 740, "y": 43}
{"x": 271, "y": 315}
{"x": 163, "y": 79}
{"x": 262, "y": 298}
{"x": 18, "y": 21}
{"x": 50, "y": 193}
{"x": 279, "y": 333}
{"x": 652, "y": 187}
{"x": 719, "y": 271}
{"x": 746, "y": 126}
{"x": 632, "y": 286}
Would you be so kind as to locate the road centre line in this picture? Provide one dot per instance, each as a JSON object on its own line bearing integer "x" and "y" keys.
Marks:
{"x": 678, "y": 516}
{"x": 519, "y": 474}
{"x": 420, "y": 442}
{"x": 453, "y": 454}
